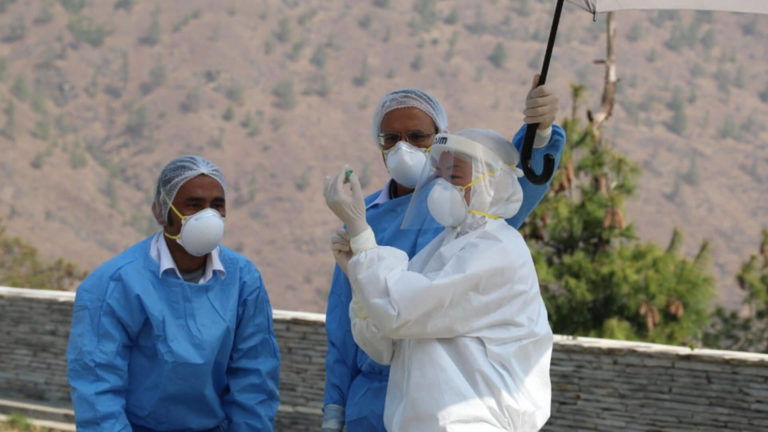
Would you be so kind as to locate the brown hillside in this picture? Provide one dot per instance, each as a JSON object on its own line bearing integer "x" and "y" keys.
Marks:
{"x": 96, "y": 96}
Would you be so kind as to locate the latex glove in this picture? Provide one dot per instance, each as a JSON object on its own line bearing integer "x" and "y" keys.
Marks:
{"x": 540, "y": 106}
{"x": 349, "y": 208}
{"x": 333, "y": 418}
{"x": 342, "y": 252}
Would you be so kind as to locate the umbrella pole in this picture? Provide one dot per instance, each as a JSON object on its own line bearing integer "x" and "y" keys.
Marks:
{"x": 530, "y": 131}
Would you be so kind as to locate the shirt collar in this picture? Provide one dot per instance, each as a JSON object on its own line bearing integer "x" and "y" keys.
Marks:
{"x": 159, "y": 251}
{"x": 383, "y": 196}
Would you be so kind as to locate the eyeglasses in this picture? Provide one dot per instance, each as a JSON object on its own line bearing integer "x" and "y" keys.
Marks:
{"x": 417, "y": 138}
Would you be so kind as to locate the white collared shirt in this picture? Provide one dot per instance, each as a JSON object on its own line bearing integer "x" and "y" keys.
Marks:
{"x": 159, "y": 251}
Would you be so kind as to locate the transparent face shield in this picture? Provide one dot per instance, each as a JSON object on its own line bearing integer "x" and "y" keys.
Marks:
{"x": 456, "y": 185}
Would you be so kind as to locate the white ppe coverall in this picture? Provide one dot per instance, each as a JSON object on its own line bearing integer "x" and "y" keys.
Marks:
{"x": 464, "y": 328}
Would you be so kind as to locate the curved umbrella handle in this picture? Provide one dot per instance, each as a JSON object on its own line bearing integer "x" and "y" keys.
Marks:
{"x": 525, "y": 159}
{"x": 530, "y": 132}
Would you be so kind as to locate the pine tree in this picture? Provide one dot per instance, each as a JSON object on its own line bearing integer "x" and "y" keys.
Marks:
{"x": 597, "y": 278}
{"x": 749, "y": 332}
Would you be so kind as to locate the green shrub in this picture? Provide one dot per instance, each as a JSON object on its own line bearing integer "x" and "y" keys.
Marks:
{"x": 319, "y": 57}
{"x": 4, "y": 4}
{"x": 229, "y": 114}
{"x": 499, "y": 55}
{"x": 3, "y": 67}
{"x": 478, "y": 26}
{"x": 361, "y": 78}
{"x": 20, "y": 89}
{"x": 42, "y": 129}
{"x": 92, "y": 88}
{"x": 284, "y": 31}
{"x": 635, "y": 32}
{"x": 296, "y": 50}
{"x": 157, "y": 77}
{"x": 235, "y": 92}
{"x": 38, "y": 161}
{"x": 20, "y": 266}
{"x": 302, "y": 182}
{"x": 126, "y": 5}
{"x": 426, "y": 12}
{"x": 185, "y": 20}
{"x": 452, "y": 17}
{"x": 451, "y": 46}
{"x": 191, "y": 102}
{"x": 318, "y": 85}
{"x": 417, "y": 63}
{"x": 283, "y": 91}
{"x": 73, "y": 6}
{"x": 17, "y": 29}
{"x": 9, "y": 127}
{"x": 365, "y": 22}
{"x": 137, "y": 125}
{"x": 77, "y": 156}
{"x": 152, "y": 36}
{"x": 84, "y": 29}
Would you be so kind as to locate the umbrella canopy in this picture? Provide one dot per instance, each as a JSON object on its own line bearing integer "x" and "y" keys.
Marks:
{"x": 746, "y": 6}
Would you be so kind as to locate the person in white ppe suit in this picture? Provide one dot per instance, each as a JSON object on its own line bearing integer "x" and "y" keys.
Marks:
{"x": 462, "y": 324}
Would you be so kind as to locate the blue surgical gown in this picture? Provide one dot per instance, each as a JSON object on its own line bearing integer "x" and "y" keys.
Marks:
{"x": 353, "y": 380}
{"x": 151, "y": 352}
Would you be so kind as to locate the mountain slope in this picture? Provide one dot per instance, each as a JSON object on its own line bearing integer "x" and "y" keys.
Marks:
{"x": 96, "y": 97}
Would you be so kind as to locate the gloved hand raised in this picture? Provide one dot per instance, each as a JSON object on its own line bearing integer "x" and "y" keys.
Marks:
{"x": 540, "y": 106}
{"x": 349, "y": 208}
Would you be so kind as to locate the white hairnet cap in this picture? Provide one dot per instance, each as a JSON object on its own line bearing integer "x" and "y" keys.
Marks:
{"x": 405, "y": 98}
{"x": 501, "y": 194}
{"x": 175, "y": 174}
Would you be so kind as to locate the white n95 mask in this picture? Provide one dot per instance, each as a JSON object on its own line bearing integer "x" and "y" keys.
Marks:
{"x": 405, "y": 163}
{"x": 446, "y": 203}
{"x": 201, "y": 232}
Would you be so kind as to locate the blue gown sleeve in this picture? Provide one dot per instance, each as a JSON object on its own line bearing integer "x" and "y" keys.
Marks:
{"x": 254, "y": 366}
{"x": 105, "y": 322}
{"x": 340, "y": 360}
{"x": 532, "y": 193}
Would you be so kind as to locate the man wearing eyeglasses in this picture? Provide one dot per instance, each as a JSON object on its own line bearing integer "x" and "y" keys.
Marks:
{"x": 404, "y": 125}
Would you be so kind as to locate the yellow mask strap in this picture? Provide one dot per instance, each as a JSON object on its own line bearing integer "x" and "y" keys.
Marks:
{"x": 473, "y": 182}
{"x": 481, "y": 213}
{"x": 477, "y": 180}
{"x": 181, "y": 216}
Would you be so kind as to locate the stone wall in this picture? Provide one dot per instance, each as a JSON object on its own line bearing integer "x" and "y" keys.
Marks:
{"x": 598, "y": 385}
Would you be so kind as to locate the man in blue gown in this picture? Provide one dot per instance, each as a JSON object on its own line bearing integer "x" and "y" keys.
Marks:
{"x": 175, "y": 333}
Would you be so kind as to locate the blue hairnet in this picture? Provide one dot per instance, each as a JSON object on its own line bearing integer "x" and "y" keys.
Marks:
{"x": 409, "y": 97}
{"x": 175, "y": 174}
